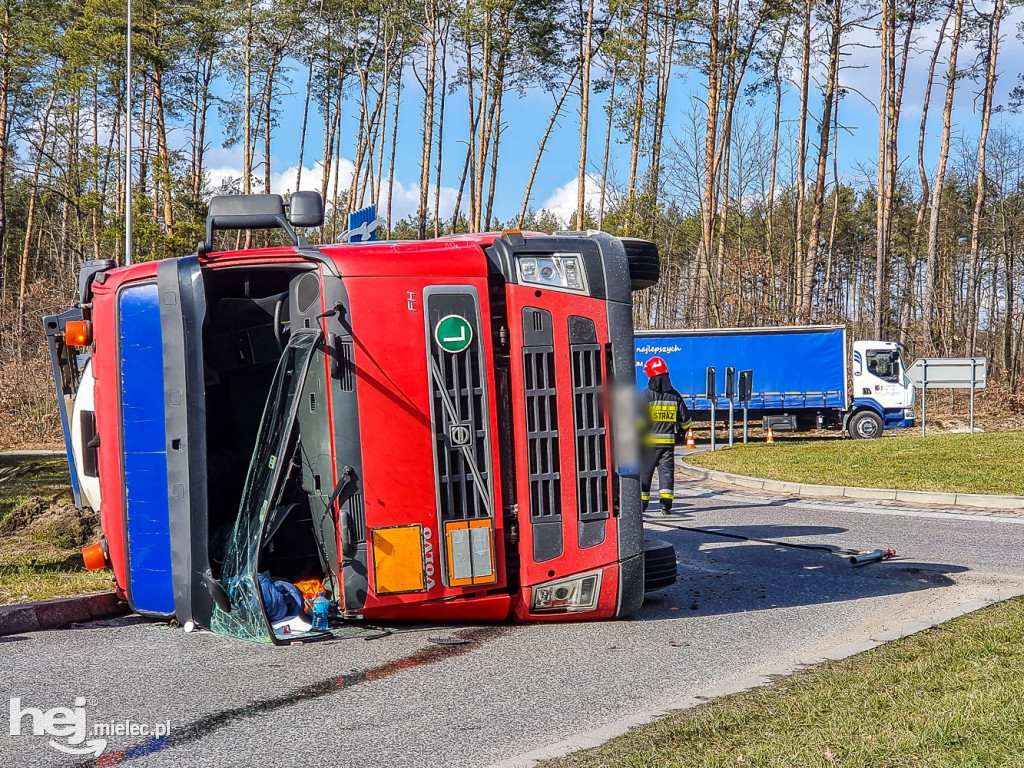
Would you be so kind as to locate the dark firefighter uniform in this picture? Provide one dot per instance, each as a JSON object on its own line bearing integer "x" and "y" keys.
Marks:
{"x": 664, "y": 416}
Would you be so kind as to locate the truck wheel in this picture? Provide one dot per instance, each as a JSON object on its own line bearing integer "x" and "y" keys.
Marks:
{"x": 865, "y": 425}
{"x": 659, "y": 565}
{"x": 644, "y": 264}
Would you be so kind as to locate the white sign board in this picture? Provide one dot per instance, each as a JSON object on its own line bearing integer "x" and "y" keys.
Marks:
{"x": 949, "y": 372}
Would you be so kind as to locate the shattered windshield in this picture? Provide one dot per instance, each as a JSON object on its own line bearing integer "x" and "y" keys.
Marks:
{"x": 274, "y": 444}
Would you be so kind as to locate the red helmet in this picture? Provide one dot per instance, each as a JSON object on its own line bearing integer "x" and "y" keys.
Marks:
{"x": 655, "y": 367}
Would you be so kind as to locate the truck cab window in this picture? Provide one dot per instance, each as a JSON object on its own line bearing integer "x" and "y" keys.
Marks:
{"x": 884, "y": 364}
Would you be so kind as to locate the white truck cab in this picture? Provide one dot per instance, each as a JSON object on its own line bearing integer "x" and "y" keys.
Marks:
{"x": 882, "y": 394}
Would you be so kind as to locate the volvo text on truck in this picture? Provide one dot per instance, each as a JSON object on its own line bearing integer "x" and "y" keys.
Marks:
{"x": 425, "y": 430}
{"x": 802, "y": 376}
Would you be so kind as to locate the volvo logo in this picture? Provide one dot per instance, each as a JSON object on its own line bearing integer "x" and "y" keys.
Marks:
{"x": 460, "y": 435}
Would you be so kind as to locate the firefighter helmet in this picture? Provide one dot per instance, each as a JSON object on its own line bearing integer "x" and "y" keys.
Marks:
{"x": 655, "y": 367}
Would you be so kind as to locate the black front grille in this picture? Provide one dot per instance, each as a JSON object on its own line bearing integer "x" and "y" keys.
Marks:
{"x": 588, "y": 418}
{"x": 542, "y": 432}
{"x": 589, "y": 430}
{"x": 459, "y": 405}
{"x": 540, "y": 399}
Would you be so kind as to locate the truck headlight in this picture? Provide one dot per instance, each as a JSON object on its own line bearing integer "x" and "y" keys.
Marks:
{"x": 571, "y": 595}
{"x": 908, "y": 413}
{"x": 559, "y": 270}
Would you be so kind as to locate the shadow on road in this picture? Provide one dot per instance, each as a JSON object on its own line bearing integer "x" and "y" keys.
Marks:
{"x": 726, "y": 569}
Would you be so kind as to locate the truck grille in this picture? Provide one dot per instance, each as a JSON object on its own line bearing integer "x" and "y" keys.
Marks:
{"x": 541, "y": 402}
{"x": 588, "y": 418}
{"x": 459, "y": 408}
{"x": 542, "y": 432}
{"x": 589, "y": 429}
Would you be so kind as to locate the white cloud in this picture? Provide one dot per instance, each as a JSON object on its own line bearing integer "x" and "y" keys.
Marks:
{"x": 405, "y": 200}
{"x": 562, "y": 202}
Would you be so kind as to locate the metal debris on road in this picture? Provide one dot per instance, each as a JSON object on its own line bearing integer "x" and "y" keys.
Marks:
{"x": 876, "y": 556}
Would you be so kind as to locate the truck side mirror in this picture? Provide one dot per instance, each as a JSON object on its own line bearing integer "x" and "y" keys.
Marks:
{"x": 730, "y": 382}
{"x": 746, "y": 386}
{"x": 306, "y": 209}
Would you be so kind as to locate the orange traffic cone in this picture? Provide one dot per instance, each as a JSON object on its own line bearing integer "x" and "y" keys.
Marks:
{"x": 691, "y": 444}
{"x": 770, "y": 439}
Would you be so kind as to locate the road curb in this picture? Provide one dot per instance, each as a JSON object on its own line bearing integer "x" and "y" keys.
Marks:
{"x": 962, "y": 500}
{"x": 597, "y": 737}
{"x": 60, "y": 612}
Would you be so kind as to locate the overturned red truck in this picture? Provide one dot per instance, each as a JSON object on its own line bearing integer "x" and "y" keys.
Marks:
{"x": 428, "y": 428}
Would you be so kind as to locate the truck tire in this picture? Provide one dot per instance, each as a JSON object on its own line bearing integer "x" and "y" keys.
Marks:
{"x": 659, "y": 565}
{"x": 644, "y": 264}
{"x": 865, "y": 425}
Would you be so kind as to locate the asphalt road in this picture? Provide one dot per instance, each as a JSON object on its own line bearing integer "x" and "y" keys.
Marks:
{"x": 743, "y": 609}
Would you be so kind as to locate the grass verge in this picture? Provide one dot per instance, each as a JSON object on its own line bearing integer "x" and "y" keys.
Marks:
{"x": 963, "y": 463}
{"x": 41, "y": 533}
{"x": 949, "y": 696}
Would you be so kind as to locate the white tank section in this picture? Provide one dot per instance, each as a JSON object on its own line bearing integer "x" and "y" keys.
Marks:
{"x": 85, "y": 400}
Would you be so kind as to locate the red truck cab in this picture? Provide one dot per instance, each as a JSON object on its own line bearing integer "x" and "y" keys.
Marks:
{"x": 428, "y": 428}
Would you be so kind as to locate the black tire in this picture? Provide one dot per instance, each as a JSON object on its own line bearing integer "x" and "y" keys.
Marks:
{"x": 644, "y": 264}
{"x": 865, "y": 425}
{"x": 659, "y": 565}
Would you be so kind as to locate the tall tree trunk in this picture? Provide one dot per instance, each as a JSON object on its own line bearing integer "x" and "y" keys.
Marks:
{"x": 638, "y": 115}
{"x": 496, "y": 141}
{"x": 5, "y": 121}
{"x": 440, "y": 132}
{"x": 801, "y": 154}
{"x": 931, "y": 281}
{"x": 773, "y": 168}
{"x": 163, "y": 152}
{"x": 483, "y": 140}
{"x": 607, "y": 144}
{"x": 305, "y": 123}
{"x": 30, "y": 216}
{"x": 430, "y": 68}
{"x": 585, "y": 58}
{"x": 394, "y": 149}
{"x": 199, "y": 137}
{"x": 973, "y": 269}
{"x": 543, "y": 142}
{"x": 707, "y": 299}
{"x": 922, "y": 208}
{"x": 666, "y": 55}
{"x": 811, "y": 259}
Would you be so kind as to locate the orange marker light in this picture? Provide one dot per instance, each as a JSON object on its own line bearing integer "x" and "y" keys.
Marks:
{"x": 95, "y": 557}
{"x": 78, "y": 333}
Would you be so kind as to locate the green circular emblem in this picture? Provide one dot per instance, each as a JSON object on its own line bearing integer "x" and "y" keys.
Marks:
{"x": 453, "y": 333}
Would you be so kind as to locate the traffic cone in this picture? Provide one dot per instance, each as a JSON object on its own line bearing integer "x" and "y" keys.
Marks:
{"x": 691, "y": 444}
{"x": 770, "y": 439}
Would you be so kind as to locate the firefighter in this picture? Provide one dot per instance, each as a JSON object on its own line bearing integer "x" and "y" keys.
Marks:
{"x": 664, "y": 416}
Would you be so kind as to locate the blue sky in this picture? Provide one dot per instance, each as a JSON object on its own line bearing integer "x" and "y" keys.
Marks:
{"x": 555, "y": 186}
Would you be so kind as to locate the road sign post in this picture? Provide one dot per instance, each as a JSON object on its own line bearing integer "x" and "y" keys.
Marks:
{"x": 924, "y": 398}
{"x": 974, "y": 374}
{"x": 710, "y": 389}
{"x": 947, "y": 373}
{"x": 730, "y": 392}
{"x": 746, "y": 390}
